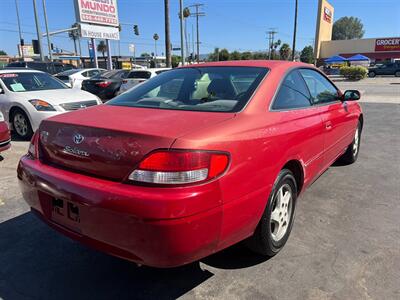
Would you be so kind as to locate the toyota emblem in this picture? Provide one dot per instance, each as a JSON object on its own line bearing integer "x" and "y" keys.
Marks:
{"x": 78, "y": 138}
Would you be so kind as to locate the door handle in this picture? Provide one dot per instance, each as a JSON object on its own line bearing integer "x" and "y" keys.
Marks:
{"x": 328, "y": 125}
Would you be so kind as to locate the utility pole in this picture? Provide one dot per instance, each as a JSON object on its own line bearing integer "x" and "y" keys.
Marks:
{"x": 294, "y": 31}
{"x": 271, "y": 36}
{"x": 38, "y": 32}
{"x": 182, "y": 33}
{"x": 21, "y": 41}
{"x": 47, "y": 30}
{"x": 167, "y": 35}
{"x": 198, "y": 14}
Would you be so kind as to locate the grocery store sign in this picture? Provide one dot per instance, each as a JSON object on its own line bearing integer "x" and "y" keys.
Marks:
{"x": 387, "y": 44}
{"x": 102, "y": 12}
{"x": 99, "y": 32}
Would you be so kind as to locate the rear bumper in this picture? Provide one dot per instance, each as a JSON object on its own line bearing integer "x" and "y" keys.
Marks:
{"x": 161, "y": 229}
{"x": 5, "y": 138}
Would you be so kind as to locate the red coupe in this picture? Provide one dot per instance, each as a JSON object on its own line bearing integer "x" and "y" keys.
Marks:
{"x": 5, "y": 138}
{"x": 192, "y": 161}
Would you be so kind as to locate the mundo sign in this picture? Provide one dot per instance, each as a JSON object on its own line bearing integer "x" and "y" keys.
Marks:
{"x": 102, "y": 12}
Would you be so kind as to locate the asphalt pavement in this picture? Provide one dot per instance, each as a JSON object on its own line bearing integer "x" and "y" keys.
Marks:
{"x": 345, "y": 243}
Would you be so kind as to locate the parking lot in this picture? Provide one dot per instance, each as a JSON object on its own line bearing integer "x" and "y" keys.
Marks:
{"x": 345, "y": 242}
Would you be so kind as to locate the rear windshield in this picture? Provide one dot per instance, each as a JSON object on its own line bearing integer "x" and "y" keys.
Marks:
{"x": 29, "y": 81}
{"x": 216, "y": 89}
{"x": 139, "y": 75}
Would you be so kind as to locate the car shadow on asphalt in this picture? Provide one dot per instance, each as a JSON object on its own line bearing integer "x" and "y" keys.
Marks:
{"x": 37, "y": 262}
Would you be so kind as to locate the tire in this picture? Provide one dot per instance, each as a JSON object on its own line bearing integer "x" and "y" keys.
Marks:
{"x": 397, "y": 74}
{"x": 268, "y": 239}
{"x": 371, "y": 74}
{"x": 351, "y": 154}
{"x": 21, "y": 124}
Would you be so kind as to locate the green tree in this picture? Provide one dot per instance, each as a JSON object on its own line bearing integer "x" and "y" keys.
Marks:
{"x": 2, "y": 52}
{"x": 260, "y": 55}
{"x": 175, "y": 60}
{"x": 307, "y": 55}
{"x": 235, "y": 55}
{"x": 214, "y": 56}
{"x": 285, "y": 51}
{"x": 348, "y": 28}
{"x": 145, "y": 54}
{"x": 274, "y": 46}
{"x": 247, "y": 55}
{"x": 223, "y": 55}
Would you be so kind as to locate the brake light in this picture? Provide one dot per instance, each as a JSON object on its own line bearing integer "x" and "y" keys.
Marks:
{"x": 124, "y": 81}
{"x": 175, "y": 167}
{"x": 33, "y": 146}
{"x": 103, "y": 84}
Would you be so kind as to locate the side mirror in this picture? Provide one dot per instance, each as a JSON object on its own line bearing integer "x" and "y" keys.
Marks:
{"x": 351, "y": 95}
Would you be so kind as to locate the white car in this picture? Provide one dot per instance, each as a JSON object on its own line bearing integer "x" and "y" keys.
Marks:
{"x": 28, "y": 96}
{"x": 74, "y": 78}
{"x": 138, "y": 76}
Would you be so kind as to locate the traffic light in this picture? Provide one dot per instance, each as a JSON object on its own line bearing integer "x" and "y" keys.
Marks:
{"x": 136, "y": 29}
{"x": 36, "y": 48}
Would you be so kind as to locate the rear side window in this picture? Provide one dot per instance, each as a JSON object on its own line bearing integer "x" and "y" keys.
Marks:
{"x": 322, "y": 91}
{"x": 139, "y": 75}
{"x": 293, "y": 93}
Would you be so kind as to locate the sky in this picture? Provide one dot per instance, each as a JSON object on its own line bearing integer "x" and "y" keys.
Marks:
{"x": 233, "y": 24}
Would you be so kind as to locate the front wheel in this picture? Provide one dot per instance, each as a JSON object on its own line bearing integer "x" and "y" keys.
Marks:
{"x": 351, "y": 154}
{"x": 397, "y": 74}
{"x": 21, "y": 125}
{"x": 276, "y": 223}
{"x": 372, "y": 74}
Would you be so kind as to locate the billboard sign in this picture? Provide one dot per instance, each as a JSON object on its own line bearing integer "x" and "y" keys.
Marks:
{"x": 99, "y": 32}
{"x": 101, "y": 12}
{"x": 387, "y": 44}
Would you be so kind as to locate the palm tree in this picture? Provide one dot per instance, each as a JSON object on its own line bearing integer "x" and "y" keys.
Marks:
{"x": 102, "y": 47}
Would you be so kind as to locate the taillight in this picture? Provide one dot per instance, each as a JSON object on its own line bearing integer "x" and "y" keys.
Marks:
{"x": 124, "y": 81}
{"x": 33, "y": 146}
{"x": 175, "y": 167}
{"x": 103, "y": 84}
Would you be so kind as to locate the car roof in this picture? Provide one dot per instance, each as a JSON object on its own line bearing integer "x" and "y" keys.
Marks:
{"x": 270, "y": 64}
{"x": 19, "y": 70}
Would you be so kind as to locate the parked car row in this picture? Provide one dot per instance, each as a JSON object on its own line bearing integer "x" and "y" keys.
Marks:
{"x": 385, "y": 69}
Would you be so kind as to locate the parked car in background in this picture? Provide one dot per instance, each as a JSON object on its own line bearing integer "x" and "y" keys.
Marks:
{"x": 385, "y": 69}
{"x": 192, "y": 161}
{"x": 138, "y": 76}
{"x": 44, "y": 66}
{"x": 5, "y": 137}
{"x": 74, "y": 78}
{"x": 105, "y": 85}
{"x": 27, "y": 97}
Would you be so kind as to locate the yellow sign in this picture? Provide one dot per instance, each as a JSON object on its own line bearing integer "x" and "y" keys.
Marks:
{"x": 324, "y": 25}
{"x": 126, "y": 65}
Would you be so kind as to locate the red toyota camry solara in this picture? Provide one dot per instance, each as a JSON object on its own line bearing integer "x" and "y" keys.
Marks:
{"x": 192, "y": 161}
{"x": 5, "y": 138}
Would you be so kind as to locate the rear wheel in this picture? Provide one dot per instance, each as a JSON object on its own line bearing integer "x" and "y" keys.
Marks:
{"x": 276, "y": 223}
{"x": 351, "y": 154}
{"x": 397, "y": 74}
{"x": 21, "y": 125}
{"x": 371, "y": 74}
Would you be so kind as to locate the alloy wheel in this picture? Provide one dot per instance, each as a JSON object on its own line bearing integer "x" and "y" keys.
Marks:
{"x": 356, "y": 142}
{"x": 20, "y": 124}
{"x": 281, "y": 212}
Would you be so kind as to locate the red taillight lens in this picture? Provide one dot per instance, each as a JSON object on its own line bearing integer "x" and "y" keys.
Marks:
{"x": 180, "y": 167}
{"x": 103, "y": 84}
{"x": 124, "y": 81}
{"x": 33, "y": 146}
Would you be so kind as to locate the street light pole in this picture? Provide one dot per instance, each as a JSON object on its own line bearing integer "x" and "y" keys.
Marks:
{"x": 19, "y": 30}
{"x": 167, "y": 34}
{"x": 182, "y": 33}
{"x": 294, "y": 31}
{"x": 47, "y": 30}
{"x": 38, "y": 32}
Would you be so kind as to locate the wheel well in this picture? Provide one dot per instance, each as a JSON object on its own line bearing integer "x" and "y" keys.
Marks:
{"x": 361, "y": 119}
{"x": 297, "y": 169}
{"x": 12, "y": 110}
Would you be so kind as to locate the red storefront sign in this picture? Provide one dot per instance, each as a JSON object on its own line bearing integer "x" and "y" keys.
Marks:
{"x": 387, "y": 44}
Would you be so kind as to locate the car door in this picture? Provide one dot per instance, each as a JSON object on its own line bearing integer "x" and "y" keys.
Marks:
{"x": 301, "y": 123}
{"x": 337, "y": 120}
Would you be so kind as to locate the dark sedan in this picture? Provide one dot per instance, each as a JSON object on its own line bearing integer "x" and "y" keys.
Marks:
{"x": 105, "y": 85}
